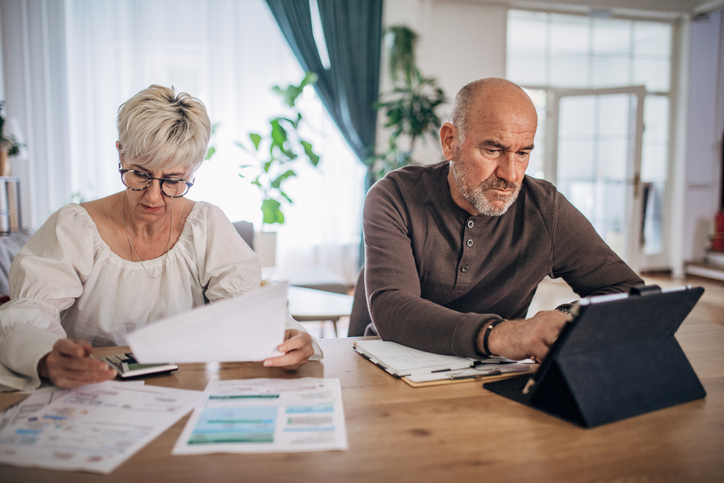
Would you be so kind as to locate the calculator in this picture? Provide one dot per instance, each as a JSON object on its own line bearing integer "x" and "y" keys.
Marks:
{"x": 127, "y": 366}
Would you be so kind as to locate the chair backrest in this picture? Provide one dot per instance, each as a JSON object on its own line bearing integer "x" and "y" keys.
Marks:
{"x": 360, "y": 320}
{"x": 246, "y": 230}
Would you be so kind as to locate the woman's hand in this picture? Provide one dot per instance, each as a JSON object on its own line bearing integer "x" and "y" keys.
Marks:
{"x": 69, "y": 365}
{"x": 297, "y": 349}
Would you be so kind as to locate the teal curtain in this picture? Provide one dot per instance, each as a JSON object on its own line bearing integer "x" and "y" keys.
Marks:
{"x": 349, "y": 88}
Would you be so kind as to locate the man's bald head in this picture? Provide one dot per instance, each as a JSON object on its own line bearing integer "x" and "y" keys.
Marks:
{"x": 489, "y": 98}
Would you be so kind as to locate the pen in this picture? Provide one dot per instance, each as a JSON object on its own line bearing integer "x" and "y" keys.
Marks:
{"x": 494, "y": 372}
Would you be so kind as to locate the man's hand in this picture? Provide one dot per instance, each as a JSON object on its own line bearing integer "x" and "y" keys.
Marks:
{"x": 523, "y": 339}
{"x": 297, "y": 349}
{"x": 69, "y": 365}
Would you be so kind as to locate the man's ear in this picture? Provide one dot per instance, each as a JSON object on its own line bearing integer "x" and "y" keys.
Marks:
{"x": 448, "y": 140}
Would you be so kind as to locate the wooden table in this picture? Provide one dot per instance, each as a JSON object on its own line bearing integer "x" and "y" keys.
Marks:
{"x": 450, "y": 433}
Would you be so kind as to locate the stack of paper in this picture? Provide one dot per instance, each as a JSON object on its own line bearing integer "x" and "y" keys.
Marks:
{"x": 94, "y": 428}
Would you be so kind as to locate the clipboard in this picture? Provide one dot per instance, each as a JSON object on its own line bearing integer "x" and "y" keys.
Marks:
{"x": 616, "y": 359}
{"x": 495, "y": 374}
{"x": 408, "y": 364}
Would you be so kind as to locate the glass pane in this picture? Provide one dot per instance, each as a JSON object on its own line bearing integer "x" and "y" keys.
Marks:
{"x": 652, "y": 38}
{"x": 656, "y": 118}
{"x": 575, "y": 160}
{"x": 526, "y": 69}
{"x": 527, "y": 33}
{"x": 614, "y": 114}
{"x": 569, "y": 71}
{"x": 654, "y": 159}
{"x": 577, "y": 116}
{"x": 611, "y": 36}
{"x": 612, "y": 224}
{"x": 581, "y": 195}
{"x": 569, "y": 34}
{"x": 612, "y": 159}
{"x": 652, "y": 73}
{"x": 611, "y": 71}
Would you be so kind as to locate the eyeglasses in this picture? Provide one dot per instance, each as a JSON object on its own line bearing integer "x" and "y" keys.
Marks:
{"x": 139, "y": 181}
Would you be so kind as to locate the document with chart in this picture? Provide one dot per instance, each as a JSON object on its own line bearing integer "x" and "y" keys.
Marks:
{"x": 94, "y": 428}
{"x": 266, "y": 416}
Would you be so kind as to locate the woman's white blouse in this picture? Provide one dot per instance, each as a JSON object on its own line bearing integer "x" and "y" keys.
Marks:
{"x": 66, "y": 282}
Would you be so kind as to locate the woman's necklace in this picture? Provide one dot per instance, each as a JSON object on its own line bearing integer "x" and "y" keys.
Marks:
{"x": 168, "y": 245}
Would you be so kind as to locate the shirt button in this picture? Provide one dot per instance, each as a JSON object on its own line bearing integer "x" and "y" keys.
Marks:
{"x": 471, "y": 224}
{"x": 469, "y": 242}
{"x": 464, "y": 268}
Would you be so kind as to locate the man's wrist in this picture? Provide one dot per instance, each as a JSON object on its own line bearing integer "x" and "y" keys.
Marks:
{"x": 484, "y": 337}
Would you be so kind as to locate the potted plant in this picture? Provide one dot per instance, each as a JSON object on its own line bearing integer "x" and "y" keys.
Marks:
{"x": 9, "y": 145}
{"x": 277, "y": 152}
{"x": 410, "y": 106}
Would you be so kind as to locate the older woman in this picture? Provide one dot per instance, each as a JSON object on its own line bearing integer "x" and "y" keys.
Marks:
{"x": 95, "y": 272}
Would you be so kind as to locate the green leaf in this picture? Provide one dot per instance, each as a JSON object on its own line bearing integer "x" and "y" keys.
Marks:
{"x": 313, "y": 158}
{"x": 278, "y": 134}
{"x": 281, "y": 178}
{"x": 285, "y": 196}
{"x": 310, "y": 78}
{"x": 210, "y": 152}
{"x": 256, "y": 139}
{"x": 291, "y": 93}
{"x": 271, "y": 211}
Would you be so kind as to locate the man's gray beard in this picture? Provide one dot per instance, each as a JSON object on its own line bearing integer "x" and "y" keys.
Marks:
{"x": 479, "y": 197}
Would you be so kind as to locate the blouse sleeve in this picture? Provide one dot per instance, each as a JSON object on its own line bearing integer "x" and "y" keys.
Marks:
{"x": 45, "y": 279}
{"x": 229, "y": 268}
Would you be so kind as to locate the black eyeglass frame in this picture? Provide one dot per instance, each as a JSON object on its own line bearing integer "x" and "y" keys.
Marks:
{"x": 123, "y": 171}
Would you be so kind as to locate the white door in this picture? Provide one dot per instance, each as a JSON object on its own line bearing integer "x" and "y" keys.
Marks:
{"x": 596, "y": 142}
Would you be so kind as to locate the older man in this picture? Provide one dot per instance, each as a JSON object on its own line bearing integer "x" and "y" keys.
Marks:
{"x": 456, "y": 250}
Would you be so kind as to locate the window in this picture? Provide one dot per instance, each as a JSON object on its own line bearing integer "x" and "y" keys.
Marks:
{"x": 557, "y": 51}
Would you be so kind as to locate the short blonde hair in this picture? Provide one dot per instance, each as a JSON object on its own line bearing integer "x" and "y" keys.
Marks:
{"x": 159, "y": 129}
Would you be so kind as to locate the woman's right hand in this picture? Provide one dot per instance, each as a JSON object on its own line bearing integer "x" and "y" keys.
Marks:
{"x": 70, "y": 364}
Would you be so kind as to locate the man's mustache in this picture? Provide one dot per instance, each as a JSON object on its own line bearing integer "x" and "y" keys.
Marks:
{"x": 498, "y": 183}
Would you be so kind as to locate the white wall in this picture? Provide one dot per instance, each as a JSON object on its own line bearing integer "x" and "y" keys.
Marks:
{"x": 705, "y": 115}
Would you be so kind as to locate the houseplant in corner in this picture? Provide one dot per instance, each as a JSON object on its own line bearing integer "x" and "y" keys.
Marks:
{"x": 275, "y": 155}
{"x": 410, "y": 106}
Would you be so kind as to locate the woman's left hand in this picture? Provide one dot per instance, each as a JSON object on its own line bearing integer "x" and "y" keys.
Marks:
{"x": 297, "y": 349}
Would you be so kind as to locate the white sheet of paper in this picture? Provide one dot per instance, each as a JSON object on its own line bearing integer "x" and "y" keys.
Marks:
{"x": 246, "y": 328}
{"x": 94, "y": 428}
{"x": 37, "y": 400}
{"x": 404, "y": 361}
{"x": 266, "y": 416}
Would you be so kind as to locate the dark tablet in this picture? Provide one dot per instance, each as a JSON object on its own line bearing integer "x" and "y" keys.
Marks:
{"x": 618, "y": 358}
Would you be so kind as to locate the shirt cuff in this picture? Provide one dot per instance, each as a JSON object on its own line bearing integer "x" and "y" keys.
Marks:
{"x": 465, "y": 336}
{"x": 21, "y": 349}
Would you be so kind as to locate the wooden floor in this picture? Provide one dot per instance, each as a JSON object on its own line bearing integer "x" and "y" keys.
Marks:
{"x": 552, "y": 293}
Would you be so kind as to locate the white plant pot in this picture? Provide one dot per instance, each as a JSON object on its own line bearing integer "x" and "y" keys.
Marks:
{"x": 265, "y": 246}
